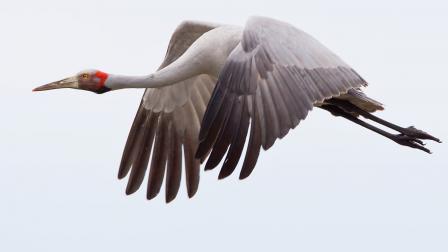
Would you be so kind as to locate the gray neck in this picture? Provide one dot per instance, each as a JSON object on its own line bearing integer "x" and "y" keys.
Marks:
{"x": 115, "y": 81}
{"x": 175, "y": 72}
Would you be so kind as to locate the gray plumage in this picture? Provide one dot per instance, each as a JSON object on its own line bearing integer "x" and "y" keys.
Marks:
{"x": 274, "y": 77}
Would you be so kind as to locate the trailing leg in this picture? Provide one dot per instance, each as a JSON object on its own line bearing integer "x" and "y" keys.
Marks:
{"x": 401, "y": 139}
{"x": 409, "y": 131}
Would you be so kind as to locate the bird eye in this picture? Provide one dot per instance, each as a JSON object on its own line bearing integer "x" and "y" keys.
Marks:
{"x": 85, "y": 76}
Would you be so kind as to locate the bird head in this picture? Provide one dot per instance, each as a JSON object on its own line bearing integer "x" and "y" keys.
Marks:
{"x": 90, "y": 80}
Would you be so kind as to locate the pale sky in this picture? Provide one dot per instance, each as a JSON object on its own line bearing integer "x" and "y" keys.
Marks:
{"x": 329, "y": 185}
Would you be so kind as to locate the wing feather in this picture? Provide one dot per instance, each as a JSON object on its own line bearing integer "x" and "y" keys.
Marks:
{"x": 174, "y": 165}
{"x": 126, "y": 163}
{"x": 239, "y": 136}
{"x": 224, "y": 138}
{"x": 254, "y": 145}
{"x": 167, "y": 121}
{"x": 158, "y": 161}
{"x": 273, "y": 78}
{"x": 141, "y": 157}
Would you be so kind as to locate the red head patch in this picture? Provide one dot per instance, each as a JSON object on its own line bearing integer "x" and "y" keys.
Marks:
{"x": 102, "y": 76}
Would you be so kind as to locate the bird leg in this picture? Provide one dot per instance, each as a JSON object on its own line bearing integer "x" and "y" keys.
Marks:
{"x": 409, "y": 131}
{"x": 402, "y": 139}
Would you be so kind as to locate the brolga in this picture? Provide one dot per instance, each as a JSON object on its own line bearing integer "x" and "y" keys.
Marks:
{"x": 221, "y": 84}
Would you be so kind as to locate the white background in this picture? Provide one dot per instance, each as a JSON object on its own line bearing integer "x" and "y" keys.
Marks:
{"x": 328, "y": 186}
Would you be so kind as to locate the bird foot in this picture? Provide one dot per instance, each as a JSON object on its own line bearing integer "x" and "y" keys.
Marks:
{"x": 420, "y": 134}
{"x": 410, "y": 141}
{"x": 413, "y": 137}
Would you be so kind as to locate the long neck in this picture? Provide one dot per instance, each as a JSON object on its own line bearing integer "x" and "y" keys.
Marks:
{"x": 173, "y": 73}
{"x": 206, "y": 55}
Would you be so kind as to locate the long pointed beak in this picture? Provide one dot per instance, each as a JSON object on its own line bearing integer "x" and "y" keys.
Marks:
{"x": 71, "y": 82}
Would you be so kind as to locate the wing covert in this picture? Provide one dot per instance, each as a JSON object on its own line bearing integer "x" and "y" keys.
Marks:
{"x": 270, "y": 81}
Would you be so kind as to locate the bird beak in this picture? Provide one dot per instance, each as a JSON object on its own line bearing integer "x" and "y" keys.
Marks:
{"x": 71, "y": 82}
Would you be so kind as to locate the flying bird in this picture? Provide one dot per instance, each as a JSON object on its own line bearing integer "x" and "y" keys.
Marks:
{"x": 221, "y": 84}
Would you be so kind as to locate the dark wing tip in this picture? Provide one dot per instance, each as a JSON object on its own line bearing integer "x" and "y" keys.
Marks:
{"x": 201, "y": 151}
{"x": 121, "y": 175}
{"x": 151, "y": 194}
{"x": 208, "y": 167}
{"x": 192, "y": 192}
{"x": 245, "y": 173}
{"x": 169, "y": 197}
{"x": 223, "y": 175}
{"x": 130, "y": 190}
{"x": 243, "y": 176}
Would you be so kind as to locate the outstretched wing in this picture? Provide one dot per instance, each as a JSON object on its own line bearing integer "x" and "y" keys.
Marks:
{"x": 167, "y": 121}
{"x": 270, "y": 81}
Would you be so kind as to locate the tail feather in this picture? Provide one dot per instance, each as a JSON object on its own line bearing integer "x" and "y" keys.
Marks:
{"x": 361, "y": 100}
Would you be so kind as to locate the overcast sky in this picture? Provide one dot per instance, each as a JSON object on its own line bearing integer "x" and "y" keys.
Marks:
{"x": 328, "y": 186}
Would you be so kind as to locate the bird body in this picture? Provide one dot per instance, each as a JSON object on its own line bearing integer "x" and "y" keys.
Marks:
{"x": 220, "y": 84}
